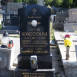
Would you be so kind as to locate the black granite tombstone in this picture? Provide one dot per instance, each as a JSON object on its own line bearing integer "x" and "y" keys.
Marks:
{"x": 35, "y": 59}
{"x": 34, "y": 30}
{"x": 10, "y": 19}
{"x": 14, "y": 19}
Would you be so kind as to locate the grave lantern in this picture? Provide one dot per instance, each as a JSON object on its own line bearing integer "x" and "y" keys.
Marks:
{"x": 5, "y": 40}
{"x": 11, "y": 44}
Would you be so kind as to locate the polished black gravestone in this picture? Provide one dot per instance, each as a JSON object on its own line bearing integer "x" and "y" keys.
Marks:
{"x": 10, "y": 19}
{"x": 34, "y": 30}
{"x": 35, "y": 59}
{"x": 10, "y": 24}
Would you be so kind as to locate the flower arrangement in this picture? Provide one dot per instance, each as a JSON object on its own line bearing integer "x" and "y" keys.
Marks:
{"x": 67, "y": 36}
{"x": 67, "y": 42}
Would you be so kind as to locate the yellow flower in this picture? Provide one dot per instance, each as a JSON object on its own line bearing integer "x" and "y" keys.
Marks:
{"x": 67, "y": 42}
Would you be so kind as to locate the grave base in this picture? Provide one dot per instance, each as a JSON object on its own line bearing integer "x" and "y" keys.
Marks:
{"x": 36, "y": 73}
{"x": 44, "y": 62}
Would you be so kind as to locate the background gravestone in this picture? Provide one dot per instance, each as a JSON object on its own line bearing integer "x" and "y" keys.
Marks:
{"x": 11, "y": 17}
{"x": 12, "y": 7}
{"x": 71, "y": 22}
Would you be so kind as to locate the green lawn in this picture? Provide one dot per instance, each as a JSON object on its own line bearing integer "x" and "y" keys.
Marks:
{"x": 0, "y": 27}
{"x": 51, "y": 32}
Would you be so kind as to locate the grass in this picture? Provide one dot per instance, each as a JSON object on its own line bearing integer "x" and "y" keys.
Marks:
{"x": 15, "y": 36}
{"x": 51, "y": 32}
{"x": 0, "y": 27}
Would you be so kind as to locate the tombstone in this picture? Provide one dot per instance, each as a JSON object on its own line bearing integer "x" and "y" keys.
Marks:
{"x": 12, "y": 7}
{"x": 72, "y": 15}
{"x": 71, "y": 22}
{"x": 14, "y": 20}
{"x": 11, "y": 19}
{"x": 59, "y": 20}
{"x": 34, "y": 59}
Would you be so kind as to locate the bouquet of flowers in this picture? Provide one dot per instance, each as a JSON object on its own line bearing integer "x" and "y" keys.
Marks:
{"x": 67, "y": 42}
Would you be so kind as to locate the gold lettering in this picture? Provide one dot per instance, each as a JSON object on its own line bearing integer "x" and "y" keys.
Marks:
{"x": 27, "y": 51}
{"x": 30, "y": 17}
{"x": 34, "y": 33}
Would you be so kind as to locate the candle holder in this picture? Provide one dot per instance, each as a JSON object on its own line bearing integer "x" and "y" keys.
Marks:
{"x": 5, "y": 40}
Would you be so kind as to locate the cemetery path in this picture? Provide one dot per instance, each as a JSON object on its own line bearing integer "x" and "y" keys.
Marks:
{"x": 56, "y": 61}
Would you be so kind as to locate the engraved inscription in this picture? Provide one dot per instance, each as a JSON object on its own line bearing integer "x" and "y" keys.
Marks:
{"x": 35, "y": 40}
{"x": 34, "y": 74}
{"x": 30, "y": 17}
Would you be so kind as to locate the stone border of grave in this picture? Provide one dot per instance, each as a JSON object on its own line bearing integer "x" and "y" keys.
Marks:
{"x": 70, "y": 66}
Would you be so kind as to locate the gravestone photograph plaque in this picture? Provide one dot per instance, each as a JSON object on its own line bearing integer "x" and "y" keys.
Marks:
{"x": 34, "y": 30}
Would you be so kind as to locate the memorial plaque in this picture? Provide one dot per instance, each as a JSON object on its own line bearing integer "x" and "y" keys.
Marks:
{"x": 34, "y": 30}
{"x": 37, "y": 73}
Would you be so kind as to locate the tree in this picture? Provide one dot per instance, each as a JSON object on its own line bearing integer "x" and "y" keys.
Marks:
{"x": 32, "y": 1}
{"x": 48, "y": 2}
{"x": 67, "y": 3}
{"x": 57, "y": 3}
{"x": 26, "y": 1}
{"x": 75, "y": 3}
{"x": 17, "y": 0}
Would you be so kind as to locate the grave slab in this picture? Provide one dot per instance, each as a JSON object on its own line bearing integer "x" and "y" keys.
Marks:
{"x": 8, "y": 56}
{"x": 70, "y": 66}
{"x": 35, "y": 73}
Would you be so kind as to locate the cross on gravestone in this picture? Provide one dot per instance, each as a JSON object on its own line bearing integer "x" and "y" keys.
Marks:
{"x": 34, "y": 59}
{"x": 34, "y": 11}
